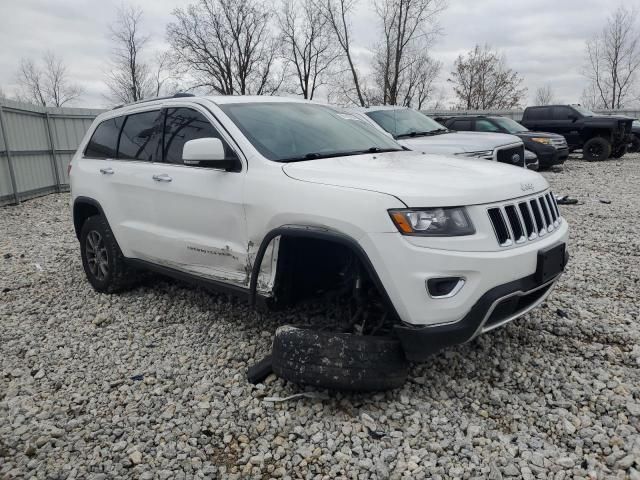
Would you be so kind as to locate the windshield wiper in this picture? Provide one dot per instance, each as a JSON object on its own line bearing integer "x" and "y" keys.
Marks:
{"x": 416, "y": 134}
{"x": 318, "y": 155}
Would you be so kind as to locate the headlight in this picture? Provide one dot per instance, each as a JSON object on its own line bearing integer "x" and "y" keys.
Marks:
{"x": 480, "y": 154}
{"x": 433, "y": 222}
{"x": 546, "y": 141}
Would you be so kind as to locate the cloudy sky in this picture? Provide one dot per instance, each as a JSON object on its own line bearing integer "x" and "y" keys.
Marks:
{"x": 542, "y": 40}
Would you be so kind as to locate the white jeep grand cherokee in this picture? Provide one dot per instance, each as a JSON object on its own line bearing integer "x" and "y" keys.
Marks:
{"x": 285, "y": 201}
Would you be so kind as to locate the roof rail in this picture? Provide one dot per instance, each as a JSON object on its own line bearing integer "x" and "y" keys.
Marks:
{"x": 177, "y": 95}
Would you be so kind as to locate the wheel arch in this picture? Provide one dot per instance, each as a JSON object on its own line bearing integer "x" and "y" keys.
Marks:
{"x": 83, "y": 208}
{"x": 310, "y": 232}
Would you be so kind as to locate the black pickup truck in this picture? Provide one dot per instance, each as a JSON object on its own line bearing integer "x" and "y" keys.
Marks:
{"x": 599, "y": 136}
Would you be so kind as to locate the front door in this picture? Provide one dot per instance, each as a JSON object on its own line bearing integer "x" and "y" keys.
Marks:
{"x": 200, "y": 227}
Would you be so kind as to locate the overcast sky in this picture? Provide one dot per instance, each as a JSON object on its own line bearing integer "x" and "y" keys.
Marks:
{"x": 542, "y": 40}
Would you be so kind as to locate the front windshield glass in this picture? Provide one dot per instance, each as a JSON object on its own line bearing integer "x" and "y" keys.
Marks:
{"x": 585, "y": 112}
{"x": 291, "y": 131}
{"x": 404, "y": 122}
{"x": 509, "y": 125}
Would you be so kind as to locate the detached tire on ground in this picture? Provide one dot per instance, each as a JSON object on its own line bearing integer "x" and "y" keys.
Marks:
{"x": 596, "y": 150}
{"x": 339, "y": 361}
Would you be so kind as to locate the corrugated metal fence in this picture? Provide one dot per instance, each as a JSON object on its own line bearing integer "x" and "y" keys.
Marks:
{"x": 36, "y": 145}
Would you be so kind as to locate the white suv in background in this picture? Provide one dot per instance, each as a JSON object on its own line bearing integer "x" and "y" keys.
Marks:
{"x": 420, "y": 132}
{"x": 283, "y": 201}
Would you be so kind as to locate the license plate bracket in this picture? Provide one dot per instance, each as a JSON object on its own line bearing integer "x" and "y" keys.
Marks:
{"x": 551, "y": 262}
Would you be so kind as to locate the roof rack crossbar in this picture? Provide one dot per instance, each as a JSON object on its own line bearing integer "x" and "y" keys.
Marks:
{"x": 177, "y": 95}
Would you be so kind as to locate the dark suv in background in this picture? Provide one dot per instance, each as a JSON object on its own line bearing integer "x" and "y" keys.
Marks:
{"x": 599, "y": 136}
{"x": 550, "y": 148}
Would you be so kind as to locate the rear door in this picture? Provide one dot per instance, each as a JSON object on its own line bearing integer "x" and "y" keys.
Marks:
{"x": 129, "y": 206}
{"x": 201, "y": 226}
{"x": 540, "y": 119}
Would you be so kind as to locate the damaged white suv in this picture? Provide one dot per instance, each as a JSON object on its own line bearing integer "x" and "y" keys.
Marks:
{"x": 288, "y": 203}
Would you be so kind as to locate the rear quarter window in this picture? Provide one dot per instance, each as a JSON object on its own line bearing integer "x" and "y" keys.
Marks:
{"x": 104, "y": 141}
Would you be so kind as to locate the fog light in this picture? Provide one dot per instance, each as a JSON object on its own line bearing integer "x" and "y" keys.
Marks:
{"x": 444, "y": 287}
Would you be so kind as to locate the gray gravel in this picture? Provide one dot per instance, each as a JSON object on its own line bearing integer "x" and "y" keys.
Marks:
{"x": 151, "y": 383}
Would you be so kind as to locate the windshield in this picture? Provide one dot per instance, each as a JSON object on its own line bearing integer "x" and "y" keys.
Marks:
{"x": 404, "y": 122}
{"x": 291, "y": 131}
{"x": 509, "y": 125}
{"x": 585, "y": 112}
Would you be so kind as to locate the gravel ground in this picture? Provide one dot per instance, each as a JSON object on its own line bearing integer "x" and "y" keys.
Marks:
{"x": 151, "y": 383}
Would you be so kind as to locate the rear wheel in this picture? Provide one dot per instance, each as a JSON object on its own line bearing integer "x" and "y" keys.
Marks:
{"x": 635, "y": 145}
{"x": 619, "y": 151}
{"x": 339, "y": 361}
{"x": 102, "y": 260}
{"x": 596, "y": 149}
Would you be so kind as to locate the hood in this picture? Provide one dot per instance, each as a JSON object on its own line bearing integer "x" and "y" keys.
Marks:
{"x": 422, "y": 180}
{"x": 458, "y": 142}
{"x": 538, "y": 135}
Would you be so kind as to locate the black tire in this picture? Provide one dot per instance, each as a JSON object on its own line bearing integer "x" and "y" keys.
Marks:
{"x": 619, "y": 151}
{"x": 102, "y": 258}
{"x": 596, "y": 149}
{"x": 338, "y": 361}
{"x": 635, "y": 145}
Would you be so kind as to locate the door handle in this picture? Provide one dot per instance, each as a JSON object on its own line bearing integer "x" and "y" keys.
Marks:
{"x": 107, "y": 171}
{"x": 163, "y": 177}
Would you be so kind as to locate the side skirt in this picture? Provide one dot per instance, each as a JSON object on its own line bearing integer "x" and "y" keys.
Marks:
{"x": 206, "y": 283}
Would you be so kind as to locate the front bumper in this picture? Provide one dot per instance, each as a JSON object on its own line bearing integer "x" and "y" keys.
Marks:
{"x": 405, "y": 264}
{"x": 495, "y": 308}
{"x": 549, "y": 156}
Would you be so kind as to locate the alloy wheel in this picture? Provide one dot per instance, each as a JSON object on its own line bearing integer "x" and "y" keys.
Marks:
{"x": 97, "y": 256}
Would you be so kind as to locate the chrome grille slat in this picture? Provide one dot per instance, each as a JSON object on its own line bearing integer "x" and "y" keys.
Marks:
{"x": 545, "y": 214}
{"x": 525, "y": 220}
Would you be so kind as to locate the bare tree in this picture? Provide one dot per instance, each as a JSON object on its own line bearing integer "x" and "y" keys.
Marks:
{"x": 613, "y": 59}
{"x": 544, "y": 96}
{"x": 309, "y": 45}
{"x": 408, "y": 27}
{"x": 591, "y": 98}
{"x": 227, "y": 46}
{"x": 129, "y": 79}
{"x": 481, "y": 80}
{"x": 47, "y": 84}
{"x": 337, "y": 13}
{"x": 418, "y": 85}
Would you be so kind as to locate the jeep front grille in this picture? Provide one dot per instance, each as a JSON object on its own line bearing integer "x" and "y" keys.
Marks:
{"x": 526, "y": 220}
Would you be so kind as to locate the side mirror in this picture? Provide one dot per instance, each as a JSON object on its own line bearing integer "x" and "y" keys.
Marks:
{"x": 573, "y": 117}
{"x": 208, "y": 152}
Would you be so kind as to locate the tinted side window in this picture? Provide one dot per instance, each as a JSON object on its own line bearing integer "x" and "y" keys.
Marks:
{"x": 562, "y": 113}
{"x": 539, "y": 113}
{"x": 464, "y": 125}
{"x": 141, "y": 137}
{"x": 182, "y": 125}
{"x": 104, "y": 141}
{"x": 483, "y": 125}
